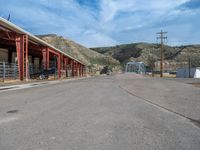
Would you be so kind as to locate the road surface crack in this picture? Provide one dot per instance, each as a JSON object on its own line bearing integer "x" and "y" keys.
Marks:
{"x": 194, "y": 121}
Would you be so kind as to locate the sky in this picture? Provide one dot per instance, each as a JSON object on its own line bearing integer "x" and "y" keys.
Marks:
{"x": 98, "y": 23}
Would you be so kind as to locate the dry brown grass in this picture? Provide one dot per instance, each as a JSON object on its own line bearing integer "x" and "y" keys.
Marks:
{"x": 164, "y": 76}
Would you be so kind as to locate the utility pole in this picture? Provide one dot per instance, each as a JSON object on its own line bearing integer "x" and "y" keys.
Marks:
{"x": 189, "y": 67}
{"x": 162, "y": 37}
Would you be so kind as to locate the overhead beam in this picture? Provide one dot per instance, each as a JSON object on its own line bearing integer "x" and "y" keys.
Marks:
{"x": 20, "y": 55}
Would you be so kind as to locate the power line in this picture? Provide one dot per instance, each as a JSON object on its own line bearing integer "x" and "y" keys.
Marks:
{"x": 162, "y": 37}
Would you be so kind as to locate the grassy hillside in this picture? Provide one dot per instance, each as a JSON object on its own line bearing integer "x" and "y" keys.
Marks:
{"x": 93, "y": 59}
{"x": 150, "y": 54}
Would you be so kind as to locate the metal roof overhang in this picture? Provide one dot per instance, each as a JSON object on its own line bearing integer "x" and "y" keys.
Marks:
{"x": 5, "y": 23}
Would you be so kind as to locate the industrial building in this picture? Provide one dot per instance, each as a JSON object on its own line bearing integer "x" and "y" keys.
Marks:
{"x": 136, "y": 67}
{"x": 23, "y": 55}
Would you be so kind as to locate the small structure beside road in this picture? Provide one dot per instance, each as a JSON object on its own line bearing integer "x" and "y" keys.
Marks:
{"x": 136, "y": 67}
{"x": 24, "y": 56}
{"x": 188, "y": 73}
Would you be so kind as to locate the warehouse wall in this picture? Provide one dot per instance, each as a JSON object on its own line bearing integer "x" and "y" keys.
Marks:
{"x": 3, "y": 55}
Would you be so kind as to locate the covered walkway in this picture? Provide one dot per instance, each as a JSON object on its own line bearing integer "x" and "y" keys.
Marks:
{"x": 32, "y": 55}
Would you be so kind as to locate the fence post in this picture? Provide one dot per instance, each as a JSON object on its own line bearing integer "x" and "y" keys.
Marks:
{"x": 4, "y": 71}
{"x": 15, "y": 71}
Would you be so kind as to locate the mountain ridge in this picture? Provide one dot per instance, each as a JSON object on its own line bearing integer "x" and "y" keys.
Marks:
{"x": 150, "y": 54}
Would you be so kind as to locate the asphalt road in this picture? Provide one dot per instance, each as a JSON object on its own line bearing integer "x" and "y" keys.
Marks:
{"x": 102, "y": 113}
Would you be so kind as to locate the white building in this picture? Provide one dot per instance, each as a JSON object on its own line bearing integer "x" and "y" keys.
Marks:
{"x": 136, "y": 67}
{"x": 185, "y": 73}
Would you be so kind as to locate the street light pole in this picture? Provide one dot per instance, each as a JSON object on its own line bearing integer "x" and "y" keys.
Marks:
{"x": 161, "y": 37}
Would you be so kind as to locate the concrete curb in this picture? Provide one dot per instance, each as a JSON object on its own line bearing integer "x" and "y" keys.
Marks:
{"x": 36, "y": 84}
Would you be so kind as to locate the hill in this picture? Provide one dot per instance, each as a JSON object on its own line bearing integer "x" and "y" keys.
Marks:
{"x": 175, "y": 57}
{"x": 93, "y": 59}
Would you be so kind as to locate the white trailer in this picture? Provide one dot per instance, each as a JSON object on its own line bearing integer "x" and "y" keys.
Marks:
{"x": 185, "y": 73}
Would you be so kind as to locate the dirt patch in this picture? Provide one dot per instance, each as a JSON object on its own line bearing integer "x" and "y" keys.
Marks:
{"x": 195, "y": 84}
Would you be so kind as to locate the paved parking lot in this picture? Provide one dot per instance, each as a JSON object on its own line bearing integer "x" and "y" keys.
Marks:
{"x": 119, "y": 112}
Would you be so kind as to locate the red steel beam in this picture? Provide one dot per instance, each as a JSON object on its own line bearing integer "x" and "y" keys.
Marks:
{"x": 65, "y": 63}
{"x": 81, "y": 70}
{"x": 54, "y": 52}
{"x": 69, "y": 66}
{"x": 7, "y": 35}
{"x": 61, "y": 61}
{"x": 20, "y": 55}
{"x": 47, "y": 55}
{"x": 73, "y": 67}
{"x": 59, "y": 66}
{"x": 44, "y": 58}
{"x": 77, "y": 67}
{"x": 22, "y": 44}
{"x": 27, "y": 68}
{"x": 58, "y": 61}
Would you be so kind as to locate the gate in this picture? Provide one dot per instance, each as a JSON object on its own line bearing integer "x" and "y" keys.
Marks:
{"x": 8, "y": 71}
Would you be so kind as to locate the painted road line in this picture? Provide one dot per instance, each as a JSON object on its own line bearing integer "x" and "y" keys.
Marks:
{"x": 7, "y": 120}
{"x": 22, "y": 86}
{"x": 36, "y": 84}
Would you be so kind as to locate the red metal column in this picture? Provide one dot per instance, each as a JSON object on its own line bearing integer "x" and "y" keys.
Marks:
{"x": 59, "y": 65}
{"x": 84, "y": 71}
{"x": 79, "y": 72}
{"x": 73, "y": 69}
{"x": 27, "y": 63}
{"x": 58, "y": 61}
{"x": 61, "y": 61}
{"x": 76, "y": 69}
{"x": 47, "y": 58}
{"x": 44, "y": 58}
{"x": 65, "y": 65}
{"x": 20, "y": 55}
{"x": 81, "y": 69}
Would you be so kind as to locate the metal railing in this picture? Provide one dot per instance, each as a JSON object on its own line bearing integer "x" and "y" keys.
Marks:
{"x": 8, "y": 71}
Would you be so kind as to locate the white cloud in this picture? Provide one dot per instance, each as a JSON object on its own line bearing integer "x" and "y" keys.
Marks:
{"x": 110, "y": 8}
{"x": 116, "y": 21}
{"x": 92, "y": 38}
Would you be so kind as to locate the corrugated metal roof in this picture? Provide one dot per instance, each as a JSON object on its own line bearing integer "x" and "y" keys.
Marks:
{"x": 19, "y": 30}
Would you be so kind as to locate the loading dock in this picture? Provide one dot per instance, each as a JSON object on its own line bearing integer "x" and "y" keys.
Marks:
{"x": 32, "y": 55}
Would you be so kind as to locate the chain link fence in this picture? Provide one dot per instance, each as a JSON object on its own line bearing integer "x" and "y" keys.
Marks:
{"x": 8, "y": 71}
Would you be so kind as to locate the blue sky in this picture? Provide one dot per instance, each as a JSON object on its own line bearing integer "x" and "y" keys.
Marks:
{"x": 95, "y": 23}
